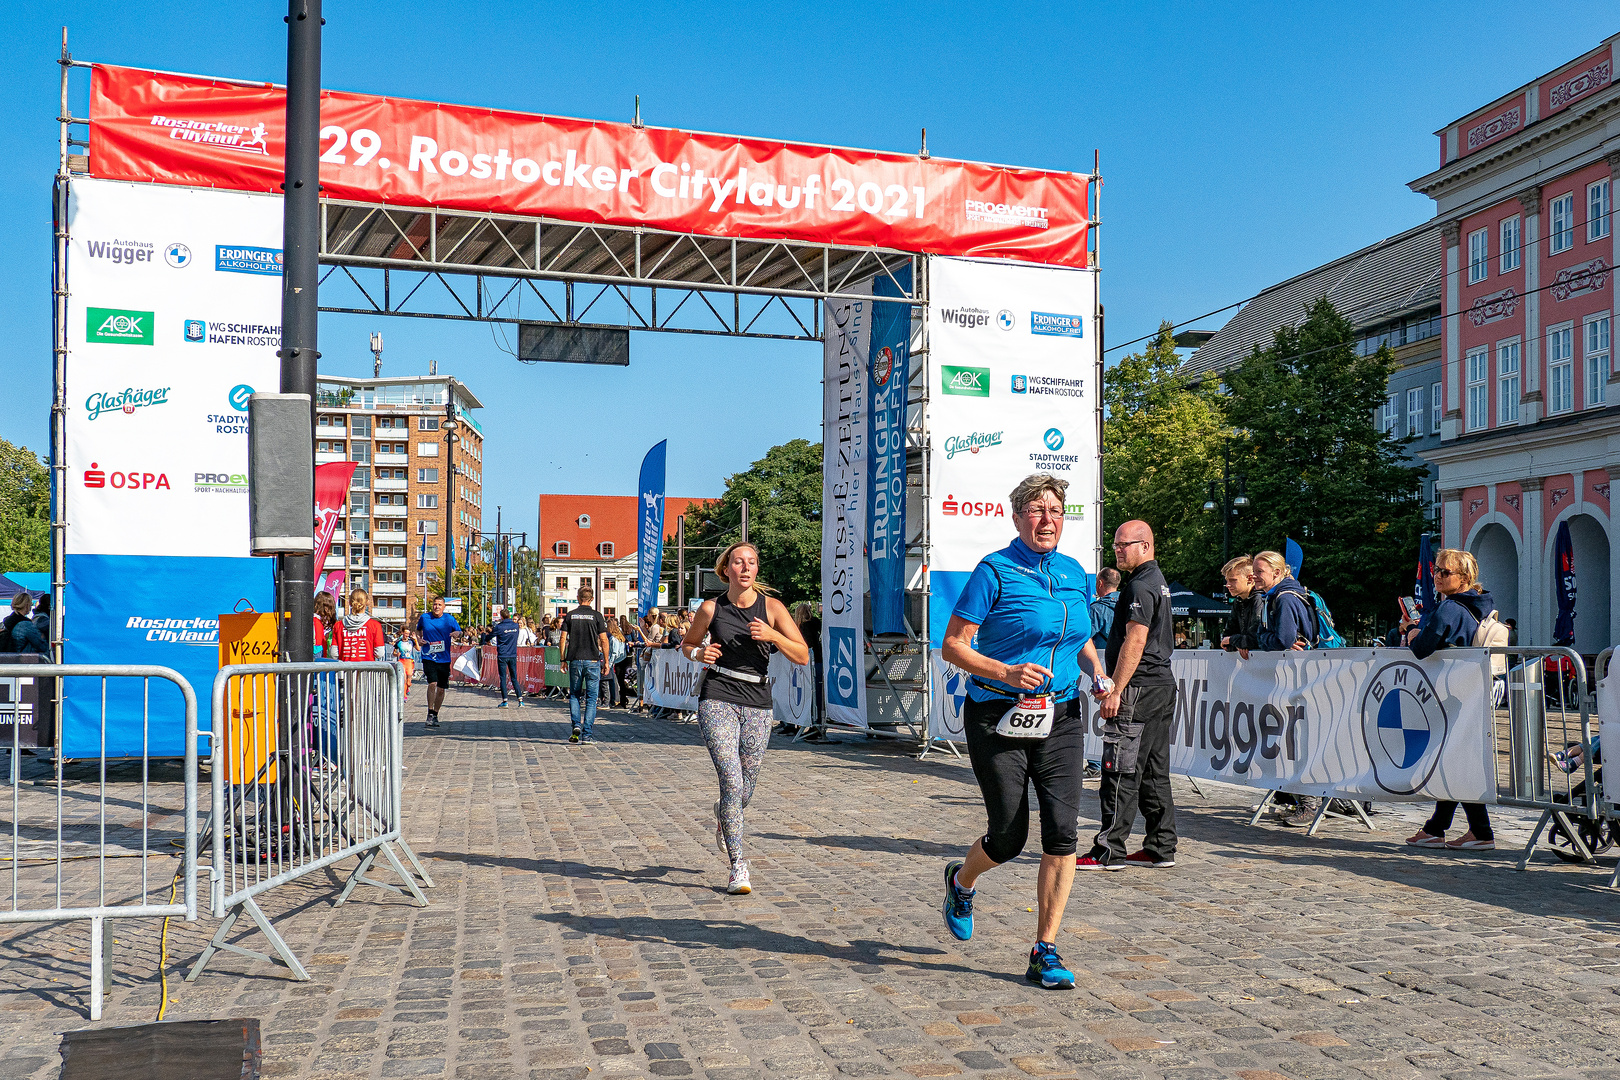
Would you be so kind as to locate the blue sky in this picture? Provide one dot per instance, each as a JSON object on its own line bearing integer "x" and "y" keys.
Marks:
{"x": 1241, "y": 144}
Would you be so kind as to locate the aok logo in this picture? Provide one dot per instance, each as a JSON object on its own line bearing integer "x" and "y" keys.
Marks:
{"x": 969, "y": 381}
{"x": 952, "y": 508}
{"x": 118, "y": 327}
{"x": 97, "y": 477}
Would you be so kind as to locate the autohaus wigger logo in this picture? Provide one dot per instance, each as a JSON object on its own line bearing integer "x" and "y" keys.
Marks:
{"x": 1404, "y": 726}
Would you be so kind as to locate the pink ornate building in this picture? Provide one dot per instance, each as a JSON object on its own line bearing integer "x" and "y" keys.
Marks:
{"x": 1530, "y": 432}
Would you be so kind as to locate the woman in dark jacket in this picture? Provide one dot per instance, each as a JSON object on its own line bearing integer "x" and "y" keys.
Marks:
{"x": 1290, "y": 615}
{"x": 1451, "y": 623}
{"x": 1248, "y": 607}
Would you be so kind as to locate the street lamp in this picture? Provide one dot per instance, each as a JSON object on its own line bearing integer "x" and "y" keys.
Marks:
{"x": 1229, "y": 496}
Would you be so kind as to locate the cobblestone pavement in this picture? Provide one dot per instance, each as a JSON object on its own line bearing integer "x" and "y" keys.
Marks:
{"x": 580, "y": 929}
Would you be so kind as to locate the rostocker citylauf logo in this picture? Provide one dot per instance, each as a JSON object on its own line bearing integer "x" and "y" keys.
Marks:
{"x": 1404, "y": 726}
{"x": 133, "y": 480}
{"x": 971, "y": 443}
{"x": 125, "y": 401}
{"x": 971, "y": 381}
{"x": 246, "y": 140}
{"x": 238, "y": 259}
{"x": 197, "y": 631}
{"x": 116, "y": 326}
{"x": 120, "y": 252}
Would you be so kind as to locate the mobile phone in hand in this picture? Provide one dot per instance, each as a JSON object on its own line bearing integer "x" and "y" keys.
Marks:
{"x": 1409, "y": 608}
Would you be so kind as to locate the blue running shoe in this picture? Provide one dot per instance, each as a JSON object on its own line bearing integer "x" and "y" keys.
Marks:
{"x": 958, "y": 906}
{"x": 1046, "y": 968}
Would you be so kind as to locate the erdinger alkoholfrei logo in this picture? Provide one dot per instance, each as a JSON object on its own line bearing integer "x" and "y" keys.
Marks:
{"x": 882, "y": 366}
{"x": 1404, "y": 726}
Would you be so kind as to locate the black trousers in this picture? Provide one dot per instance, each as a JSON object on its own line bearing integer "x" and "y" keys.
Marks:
{"x": 1479, "y": 819}
{"x": 1136, "y": 772}
{"x": 508, "y": 665}
{"x": 1005, "y": 767}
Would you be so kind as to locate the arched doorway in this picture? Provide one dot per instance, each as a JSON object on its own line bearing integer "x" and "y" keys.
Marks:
{"x": 1591, "y": 545}
{"x": 1498, "y": 559}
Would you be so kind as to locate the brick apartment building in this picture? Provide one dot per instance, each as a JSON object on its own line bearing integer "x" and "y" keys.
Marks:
{"x": 393, "y": 429}
{"x": 594, "y": 538}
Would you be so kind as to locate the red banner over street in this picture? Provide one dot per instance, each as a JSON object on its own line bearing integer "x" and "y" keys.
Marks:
{"x": 196, "y": 131}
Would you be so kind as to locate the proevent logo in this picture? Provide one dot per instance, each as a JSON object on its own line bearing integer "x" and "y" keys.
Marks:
{"x": 1052, "y": 324}
{"x": 210, "y": 483}
{"x": 97, "y": 477}
{"x": 118, "y": 326}
{"x": 125, "y": 401}
{"x": 968, "y": 318}
{"x": 197, "y": 631}
{"x": 247, "y": 260}
{"x": 971, "y": 443}
{"x": 969, "y": 381}
{"x": 1033, "y": 217}
{"x": 1049, "y": 385}
{"x": 952, "y": 508}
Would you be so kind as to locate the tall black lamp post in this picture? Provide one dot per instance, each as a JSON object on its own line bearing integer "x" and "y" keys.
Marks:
{"x": 1229, "y": 496}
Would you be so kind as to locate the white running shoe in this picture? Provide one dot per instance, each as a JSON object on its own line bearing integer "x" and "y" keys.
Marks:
{"x": 720, "y": 832}
{"x": 739, "y": 881}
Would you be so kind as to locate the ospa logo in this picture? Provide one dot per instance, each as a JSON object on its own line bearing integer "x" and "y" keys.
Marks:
{"x": 1404, "y": 726}
{"x": 97, "y": 477}
{"x": 118, "y": 326}
{"x": 970, "y": 381}
{"x": 211, "y": 483}
{"x": 247, "y": 260}
{"x": 971, "y": 443}
{"x": 198, "y": 631}
{"x": 1052, "y": 324}
{"x": 952, "y": 508}
{"x": 882, "y": 366}
{"x": 125, "y": 401}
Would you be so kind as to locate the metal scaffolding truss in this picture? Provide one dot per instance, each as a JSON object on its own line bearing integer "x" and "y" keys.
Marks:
{"x": 454, "y": 264}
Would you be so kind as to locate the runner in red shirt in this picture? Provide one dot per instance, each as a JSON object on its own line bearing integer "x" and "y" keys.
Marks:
{"x": 357, "y": 635}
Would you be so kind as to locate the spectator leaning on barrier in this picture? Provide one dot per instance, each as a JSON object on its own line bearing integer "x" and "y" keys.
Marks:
{"x": 505, "y": 634}
{"x": 1290, "y": 617}
{"x": 1451, "y": 623}
{"x": 18, "y": 634}
{"x": 1248, "y": 607}
{"x": 1102, "y": 608}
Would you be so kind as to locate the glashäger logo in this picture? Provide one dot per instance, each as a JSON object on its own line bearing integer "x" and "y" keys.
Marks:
{"x": 117, "y": 326}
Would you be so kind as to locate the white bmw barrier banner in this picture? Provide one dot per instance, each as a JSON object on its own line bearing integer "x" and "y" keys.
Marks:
{"x": 1011, "y": 363}
{"x": 1608, "y": 702}
{"x": 672, "y": 683}
{"x": 173, "y": 321}
{"x": 846, "y": 338}
{"x": 1372, "y": 724}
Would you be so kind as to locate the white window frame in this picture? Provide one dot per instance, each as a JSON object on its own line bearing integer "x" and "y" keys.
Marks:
{"x": 563, "y": 549}
{"x": 427, "y": 528}
{"x": 1510, "y": 233}
{"x": 1597, "y": 349}
{"x": 1599, "y": 204}
{"x": 1509, "y": 380}
{"x": 605, "y": 549}
{"x": 1414, "y": 412}
{"x": 1479, "y": 256}
{"x": 1560, "y": 369}
{"x": 1391, "y": 410}
{"x": 1435, "y": 410}
{"x": 1477, "y": 403}
{"x": 427, "y": 449}
{"x": 1561, "y": 223}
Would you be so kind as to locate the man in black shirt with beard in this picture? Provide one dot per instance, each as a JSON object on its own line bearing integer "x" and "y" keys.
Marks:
{"x": 1137, "y": 714}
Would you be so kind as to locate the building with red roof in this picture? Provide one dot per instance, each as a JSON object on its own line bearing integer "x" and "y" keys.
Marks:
{"x": 592, "y": 538}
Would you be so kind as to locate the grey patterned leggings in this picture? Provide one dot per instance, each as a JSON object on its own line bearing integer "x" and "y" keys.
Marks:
{"x": 736, "y": 736}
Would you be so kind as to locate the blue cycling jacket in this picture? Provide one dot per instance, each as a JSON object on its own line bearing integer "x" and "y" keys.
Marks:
{"x": 1030, "y": 608}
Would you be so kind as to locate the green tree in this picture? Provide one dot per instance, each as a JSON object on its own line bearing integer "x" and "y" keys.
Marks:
{"x": 1161, "y": 447}
{"x": 1319, "y": 469}
{"x": 25, "y": 510}
{"x": 783, "y": 490}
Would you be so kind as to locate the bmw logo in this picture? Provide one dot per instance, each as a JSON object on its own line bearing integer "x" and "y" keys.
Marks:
{"x": 1005, "y": 320}
{"x": 1054, "y": 439}
{"x": 239, "y": 396}
{"x": 177, "y": 256}
{"x": 1404, "y": 726}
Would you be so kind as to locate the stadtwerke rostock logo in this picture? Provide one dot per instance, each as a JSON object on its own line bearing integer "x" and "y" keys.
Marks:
{"x": 117, "y": 326}
{"x": 968, "y": 381}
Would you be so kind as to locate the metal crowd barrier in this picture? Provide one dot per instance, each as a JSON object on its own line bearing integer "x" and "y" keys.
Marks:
{"x": 1542, "y": 723}
{"x": 56, "y": 823}
{"x": 307, "y": 772}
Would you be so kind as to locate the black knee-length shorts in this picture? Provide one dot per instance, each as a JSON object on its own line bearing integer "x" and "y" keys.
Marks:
{"x": 1005, "y": 767}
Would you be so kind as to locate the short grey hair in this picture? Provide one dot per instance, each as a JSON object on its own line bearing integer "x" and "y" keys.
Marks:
{"x": 1034, "y": 486}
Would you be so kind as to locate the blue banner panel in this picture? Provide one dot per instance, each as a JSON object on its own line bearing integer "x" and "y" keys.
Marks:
{"x": 889, "y": 367}
{"x": 146, "y": 609}
{"x": 650, "y": 527}
{"x": 944, "y": 590}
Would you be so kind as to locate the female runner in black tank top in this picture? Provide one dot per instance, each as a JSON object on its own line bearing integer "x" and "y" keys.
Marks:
{"x": 734, "y": 701}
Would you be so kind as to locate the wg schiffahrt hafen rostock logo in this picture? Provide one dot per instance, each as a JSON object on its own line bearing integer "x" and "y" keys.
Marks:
{"x": 1404, "y": 726}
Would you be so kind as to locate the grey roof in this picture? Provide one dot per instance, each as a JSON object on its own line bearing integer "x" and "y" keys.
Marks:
{"x": 1392, "y": 277}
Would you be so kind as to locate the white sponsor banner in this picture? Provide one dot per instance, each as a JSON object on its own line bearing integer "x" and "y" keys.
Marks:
{"x": 1608, "y": 701}
{"x": 846, "y": 336}
{"x": 673, "y": 684}
{"x": 1372, "y": 724}
{"x": 174, "y": 319}
{"x": 1011, "y": 369}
